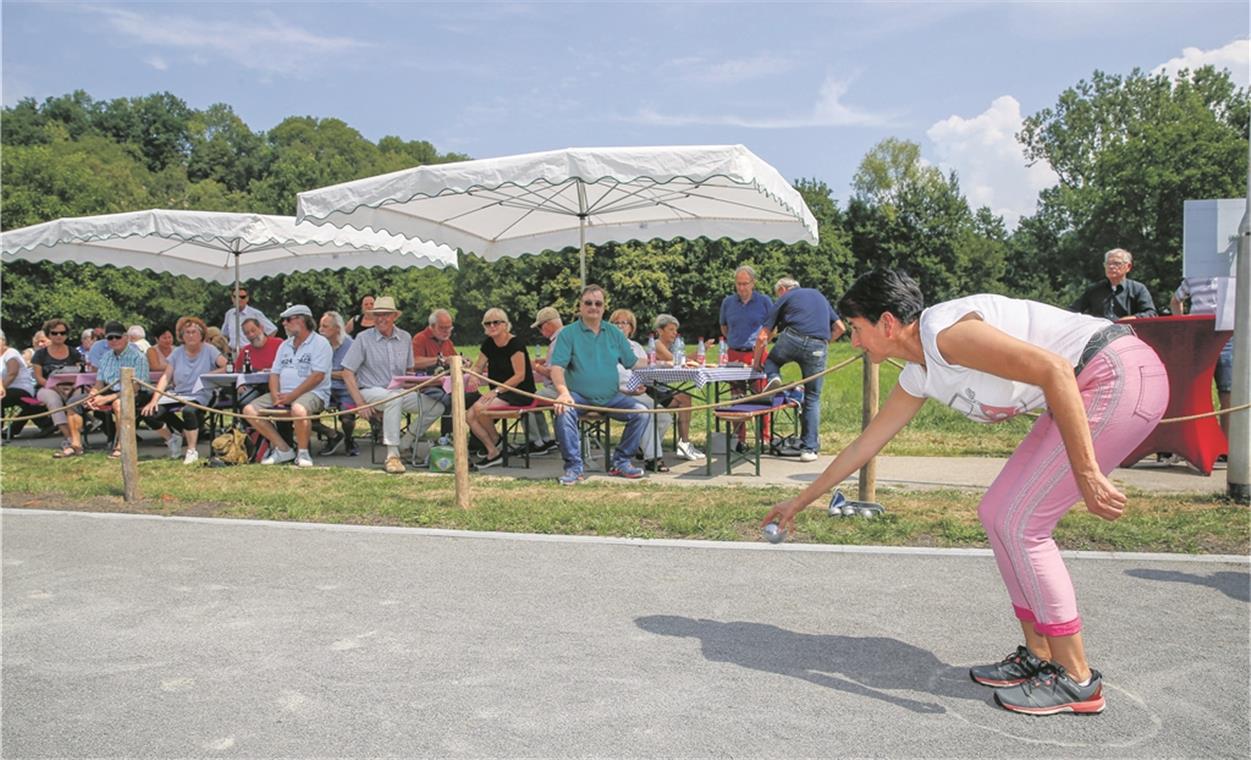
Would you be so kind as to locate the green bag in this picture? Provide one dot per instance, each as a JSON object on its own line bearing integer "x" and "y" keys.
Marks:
{"x": 442, "y": 458}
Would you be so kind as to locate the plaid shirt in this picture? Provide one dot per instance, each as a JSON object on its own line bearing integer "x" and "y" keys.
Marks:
{"x": 110, "y": 368}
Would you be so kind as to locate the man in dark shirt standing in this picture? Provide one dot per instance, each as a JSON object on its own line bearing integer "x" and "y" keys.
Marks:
{"x": 1116, "y": 296}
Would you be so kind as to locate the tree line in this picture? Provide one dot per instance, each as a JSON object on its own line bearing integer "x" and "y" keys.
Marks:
{"x": 1127, "y": 149}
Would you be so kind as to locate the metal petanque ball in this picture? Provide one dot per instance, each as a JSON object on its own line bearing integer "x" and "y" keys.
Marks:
{"x": 774, "y": 534}
{"x": 867, "y": 512}
{"x": 838, "y": 502}
{"x": 849, "y": 511}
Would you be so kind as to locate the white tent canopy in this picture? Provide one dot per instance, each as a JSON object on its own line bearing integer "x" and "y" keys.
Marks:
{"x": 214, "y": 246}
{"x": 530, "y": 203}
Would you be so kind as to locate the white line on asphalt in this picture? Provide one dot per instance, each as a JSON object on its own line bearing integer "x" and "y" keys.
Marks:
{"x": 611, "y": 540}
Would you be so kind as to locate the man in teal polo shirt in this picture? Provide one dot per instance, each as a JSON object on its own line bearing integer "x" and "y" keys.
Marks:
{"x": 583, "y": 364}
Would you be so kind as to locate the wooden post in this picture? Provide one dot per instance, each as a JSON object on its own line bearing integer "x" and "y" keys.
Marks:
{"x": 460, "y": 433}
{"x": 868, "y": 410}
{"x": 126, "y": 437}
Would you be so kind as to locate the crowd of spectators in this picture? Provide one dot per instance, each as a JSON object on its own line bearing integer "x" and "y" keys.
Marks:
{"x": 353, "y": 363}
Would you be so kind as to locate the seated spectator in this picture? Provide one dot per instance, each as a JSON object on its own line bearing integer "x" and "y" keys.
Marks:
{"x": 377, "y": 355}
{"x": 332, "y": 329}
{"x": 186, "y": 365}
{"x": 1200, "y": 294}
{"x": 54, "y": 357}
{"x": 17, "y": 384}
{"x": 88, "y": 339}
{"x": 548, "y": 322}
{"x": 299, "y": 384}
{"x": 433, "y": 345}
{"x": 104, "y": 396}
{"x": 1115, "y": 296}
{"x": 584, "y": 363}
{"x": 37, "y": 341}
{"x": 666, "y": 327}
{"x": 506, "y": 360}
{"x": 653, "y": 452}
{"x": 159, "y": 352}
{"x": 139, "y": 337}
{"x": 245, "y": 310}
{"x": 259, "y": 351}
{"x": 363, "y": 319}
{"x": 217, "y": 340}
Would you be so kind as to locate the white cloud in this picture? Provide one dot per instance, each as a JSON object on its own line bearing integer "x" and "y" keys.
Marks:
{"x": 828, "y": 111}
{"x": 991, "y": 165}
{"x": 1233, "y": 56}
{"x": 263, "y": 42}
{"x": 732, "y": 71}
{"x": 157, "y": 62}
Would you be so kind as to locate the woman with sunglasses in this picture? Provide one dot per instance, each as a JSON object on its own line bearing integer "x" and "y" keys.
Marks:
{"x": 653, "y": 453}
{"x": 507, "y": 361}
{"x": 57, "y": 356}
{"x": 187, "y": 364}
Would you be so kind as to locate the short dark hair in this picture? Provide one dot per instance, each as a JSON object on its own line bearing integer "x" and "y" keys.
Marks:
{"x": 58, "y": 322}
{"x": 253, "y": 320}
{"x": 879, "y": 291}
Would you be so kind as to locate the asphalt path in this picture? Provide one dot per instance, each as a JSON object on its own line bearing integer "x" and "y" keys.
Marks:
{"x": 142, "y": 636}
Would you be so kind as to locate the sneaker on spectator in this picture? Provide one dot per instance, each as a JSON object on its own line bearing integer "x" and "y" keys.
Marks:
{"x": 1051, "y": 691}
{"x": 807, "y": 455}
{"x": 303, "y": 459}
{"x": 687, "y": 450}
{"x": 277, "y": 456}
{"x": 1018, "y": 667}
{"x": 774, "y": 383}
{"x": 485, "y": 461}
{"x": 332, "y": 444}
{"x": 191, "y": 457}
{"x": 175, "y": 446}
{"x": 394, "y": 465}
{"x": 626, "y": 470}
{"x": 354, "y": 450}
{"x": 539, "y": 448}
{"x": 571, "y": 477}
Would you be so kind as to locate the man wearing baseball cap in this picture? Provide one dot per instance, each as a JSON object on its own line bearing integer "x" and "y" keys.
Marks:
{"x": 299, "y": 384}
{"x": 548, "y": 322}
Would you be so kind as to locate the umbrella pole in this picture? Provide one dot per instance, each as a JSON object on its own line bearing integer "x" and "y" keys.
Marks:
{"x": 582, "y": 214}
{"x": 238, "y": 335}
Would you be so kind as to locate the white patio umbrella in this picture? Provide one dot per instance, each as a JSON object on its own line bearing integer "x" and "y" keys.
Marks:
{"x": 213, "y": 246}
{"x": 529, "y": 203}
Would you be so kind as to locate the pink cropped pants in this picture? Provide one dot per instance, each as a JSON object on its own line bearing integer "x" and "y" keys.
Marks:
{"x": 1125, "y": 390}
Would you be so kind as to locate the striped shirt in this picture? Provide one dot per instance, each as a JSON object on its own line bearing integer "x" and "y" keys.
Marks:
{"x": 109, "y": 370}
{"x": 1202, "y": 294}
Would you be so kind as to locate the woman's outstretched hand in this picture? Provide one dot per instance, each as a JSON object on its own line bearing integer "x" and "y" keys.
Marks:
{"x": 783, "y": 514}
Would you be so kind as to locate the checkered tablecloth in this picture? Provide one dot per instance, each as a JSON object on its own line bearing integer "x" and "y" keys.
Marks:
{"x": 697, "y": 376}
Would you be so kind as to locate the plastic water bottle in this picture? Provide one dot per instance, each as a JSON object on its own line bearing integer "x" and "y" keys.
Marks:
{"x": 651, "y": 350}
{"x": 701, "y": 352}
{"x": 723, "y": 353}
{"x": 679, "y": 352}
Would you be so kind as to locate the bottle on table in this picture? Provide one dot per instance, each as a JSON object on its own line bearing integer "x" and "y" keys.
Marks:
{"x": 651, "y": 350}
{"x": 247, "y": 362}
{"x": 701, "y": 352}
{"x": 723, "y": 353}
{"x": 679, "y": 352}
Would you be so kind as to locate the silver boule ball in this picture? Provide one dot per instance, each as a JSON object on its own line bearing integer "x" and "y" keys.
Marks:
{"x": 867, "y": 512}
{"x": 849, "y": 511}
{"x": 773, "y": 533}
{"x": 837, "y": 502}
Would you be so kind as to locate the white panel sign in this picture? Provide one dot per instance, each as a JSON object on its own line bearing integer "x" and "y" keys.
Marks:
{"x": 1210, "y": 236}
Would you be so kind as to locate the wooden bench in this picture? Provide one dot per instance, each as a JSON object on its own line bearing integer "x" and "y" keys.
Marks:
{"x": 755, "y": 413}
{"x": 512, "y": 421}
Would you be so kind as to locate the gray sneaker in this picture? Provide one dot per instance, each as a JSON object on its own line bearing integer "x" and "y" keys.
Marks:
{"x": 1052, "y": 691}
{"x": 1018, "y": 667}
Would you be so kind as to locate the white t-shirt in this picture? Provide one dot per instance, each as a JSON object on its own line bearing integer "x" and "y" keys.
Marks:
{"x": 25, "y": 380}
{"x": 293, "y": 364}
{"x": 980, "y": 396}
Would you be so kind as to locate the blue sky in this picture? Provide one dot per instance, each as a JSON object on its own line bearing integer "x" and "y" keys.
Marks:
{"x": 809, "y": 87}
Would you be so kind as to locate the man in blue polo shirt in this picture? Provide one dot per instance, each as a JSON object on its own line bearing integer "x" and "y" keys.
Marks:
{"x": 583, "y": 365}
{"x": 743, "y": 313}
{"x": 806, "y": 324}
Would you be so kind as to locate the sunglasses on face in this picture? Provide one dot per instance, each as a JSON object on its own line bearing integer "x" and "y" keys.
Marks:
{"x": 492, "y": 322}
{"x": 589, "y": 302}
{"x": 110, "y": 337}
{"x": 58, "y": 332}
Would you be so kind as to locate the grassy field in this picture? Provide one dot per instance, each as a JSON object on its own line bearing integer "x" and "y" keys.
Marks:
{"x": 30, "y": 478}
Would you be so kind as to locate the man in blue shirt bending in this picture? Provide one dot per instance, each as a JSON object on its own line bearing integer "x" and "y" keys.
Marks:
{"x": 583, "y": 365}
{"x": 806, "y": 324}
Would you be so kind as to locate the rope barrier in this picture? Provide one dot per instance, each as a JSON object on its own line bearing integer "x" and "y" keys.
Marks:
{"x": 278, "y": 414}
{"x": 49, "y": 413}
{"x": 666, "y": 410}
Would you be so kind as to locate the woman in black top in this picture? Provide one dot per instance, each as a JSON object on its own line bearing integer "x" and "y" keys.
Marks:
{"x": 363, "y": 319}
{"x": 506, "y": 361}
{"x": 58, "y": 355}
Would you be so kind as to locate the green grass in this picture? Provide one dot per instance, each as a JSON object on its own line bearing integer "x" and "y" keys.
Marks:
{"x": 31, "y": 478}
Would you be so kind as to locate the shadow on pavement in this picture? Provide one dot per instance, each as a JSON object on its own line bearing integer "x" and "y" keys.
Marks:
{"x": 1236, "y": 586}
{"x": 863, "y": 666}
